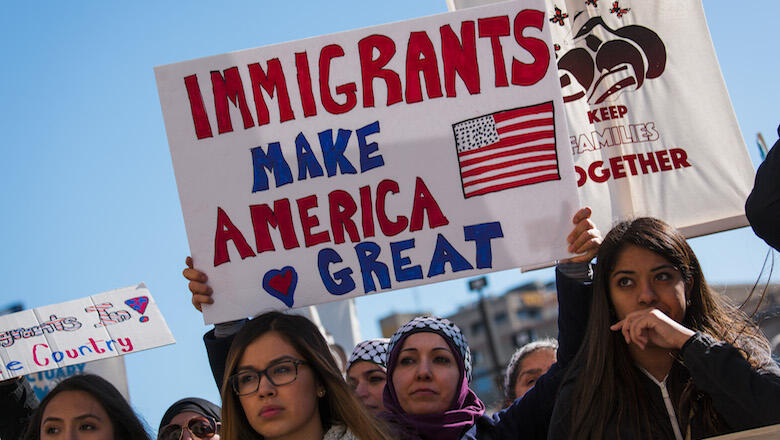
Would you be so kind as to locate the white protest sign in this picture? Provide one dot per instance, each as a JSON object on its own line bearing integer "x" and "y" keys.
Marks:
{"x": 651, "y": 126}
{"x": 100, "y": 326}
{"x": 110, "y": 369}
{"x": 371, "y": 160}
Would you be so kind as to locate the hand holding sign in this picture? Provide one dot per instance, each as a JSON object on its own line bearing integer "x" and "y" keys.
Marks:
{"x": 585, "y": 239}
{"x": 201, "y": 292}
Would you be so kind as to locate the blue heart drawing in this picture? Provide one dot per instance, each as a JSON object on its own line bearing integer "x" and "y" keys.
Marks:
{"x": 281, "y": 284}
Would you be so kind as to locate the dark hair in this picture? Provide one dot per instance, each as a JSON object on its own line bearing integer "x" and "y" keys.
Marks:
{"x": 606, "y": 381}
{"x": 339, "y": 404}
{"x": 127, "y": 425}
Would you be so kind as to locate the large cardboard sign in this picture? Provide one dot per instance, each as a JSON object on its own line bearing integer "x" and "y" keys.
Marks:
{"x": 651, "y": 127}
{"x": 100, "y": 326}
{"x": 371, "y": 160}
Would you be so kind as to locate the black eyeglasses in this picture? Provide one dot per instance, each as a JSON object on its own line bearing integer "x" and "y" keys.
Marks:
{"x": 200, "y": 427}
{"x": 281, "y": 373}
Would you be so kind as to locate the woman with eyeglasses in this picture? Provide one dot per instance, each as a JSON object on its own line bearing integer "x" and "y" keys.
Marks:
{"x": 191, "y": 418}
{"x": 85, "y": 407}
{"x": 281, "y": 382}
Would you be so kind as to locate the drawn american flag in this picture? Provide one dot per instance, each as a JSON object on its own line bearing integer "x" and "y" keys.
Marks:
{"x": 507, "y": 149}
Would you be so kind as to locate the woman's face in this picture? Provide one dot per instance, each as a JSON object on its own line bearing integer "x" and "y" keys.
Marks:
{"x": 426, "y": 374}
{"x": 643, "y": 279}
{"x": 368, "y": 380}
{"x": 76, "y": 415}
{"x": 533, "y": 366}
{"x": 289, "y": 410}
{"x": 182, "y": 420}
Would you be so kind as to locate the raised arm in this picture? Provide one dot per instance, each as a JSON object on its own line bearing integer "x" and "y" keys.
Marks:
{"x": 218, "y": 339}
{"x": 529, "y": 416}
{"x": 573, "y": 284}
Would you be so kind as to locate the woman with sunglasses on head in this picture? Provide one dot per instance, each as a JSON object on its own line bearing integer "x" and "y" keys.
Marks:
{"x": 367, "y": 372}
{"x": 664, "y": 356}
{"x": 85, "y": 407}
{"x": 190, "y": 418}
{"x": 281, "y": 382}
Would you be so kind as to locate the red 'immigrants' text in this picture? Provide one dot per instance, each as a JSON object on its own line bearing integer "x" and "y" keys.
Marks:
{"x": 422, "y": 77}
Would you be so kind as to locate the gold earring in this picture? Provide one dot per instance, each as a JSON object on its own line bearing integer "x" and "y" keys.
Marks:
{"x": 320, "y": 393}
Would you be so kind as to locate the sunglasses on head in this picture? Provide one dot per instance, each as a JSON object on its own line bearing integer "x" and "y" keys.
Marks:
{"x": 200, "y": 427}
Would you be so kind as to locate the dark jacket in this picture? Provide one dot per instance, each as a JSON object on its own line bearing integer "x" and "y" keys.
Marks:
{"x": 529, "y": 416}
{"x": 742, "y": 397}
{"x": 763, "y": 205}
{"x": 17, "y": 404}
{"x": 217, "y": 350}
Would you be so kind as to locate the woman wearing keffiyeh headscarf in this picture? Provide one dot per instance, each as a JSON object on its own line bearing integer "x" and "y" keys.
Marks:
{"x": 427, "y": 395}
{"x": 427, "y": 389}
{"x": 367, "y": 372}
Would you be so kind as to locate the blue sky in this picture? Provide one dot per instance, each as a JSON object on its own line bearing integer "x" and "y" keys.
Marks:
{"x": 88, "y": 192}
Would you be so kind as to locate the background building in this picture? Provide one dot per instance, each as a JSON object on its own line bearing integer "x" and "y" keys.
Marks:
{"x": 522, "y": 314}
{"x": 762, "y": 303}
{"x": 392, "y": 322}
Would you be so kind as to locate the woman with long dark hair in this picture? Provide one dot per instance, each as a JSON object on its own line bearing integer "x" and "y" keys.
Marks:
{"x": 281, "y": 381}
{"x": 664, "y": 356}
{"x": 85, "y": 407}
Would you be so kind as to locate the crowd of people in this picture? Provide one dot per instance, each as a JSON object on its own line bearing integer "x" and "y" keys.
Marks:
{"x": 645, "y": 349}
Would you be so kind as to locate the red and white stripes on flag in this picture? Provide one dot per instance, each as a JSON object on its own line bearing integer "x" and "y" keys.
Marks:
{"x": 507, "y": 149}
